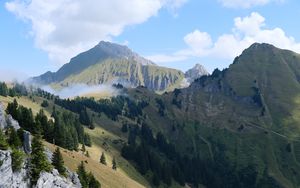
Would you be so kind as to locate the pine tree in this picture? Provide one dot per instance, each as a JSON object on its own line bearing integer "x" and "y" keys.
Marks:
{"x": 12, "y": 109}
{"x": 83, "y": 148}
{"x": 87, "y": 154}
{"x": 17, "y": 159}
{"x": 58, "y": 162}
{"x": 38, "y": 159}
{"x": 14, "y": 140}
{"x": 114, "y": 164}
{"x": 103, "y": 159}
{"x": 82, "y": 175}
{"x": 93, "y": 183}
{"x": 3, "y": 143}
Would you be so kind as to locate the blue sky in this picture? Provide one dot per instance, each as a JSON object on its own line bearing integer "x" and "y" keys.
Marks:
{"x": 39, "y": 35}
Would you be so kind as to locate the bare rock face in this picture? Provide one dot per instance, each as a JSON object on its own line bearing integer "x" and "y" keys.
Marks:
{"x": 27, "y": 142}
{"x": 53, "y": 180}
{"x": 3, "y": 123}
{"x": 8, "y": 177}
{"x": 12, "y": 123}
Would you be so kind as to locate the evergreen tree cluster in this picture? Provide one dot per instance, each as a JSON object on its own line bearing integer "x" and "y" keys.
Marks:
{"x": 159, "y": 157}
{"x": 16, "y": 90}
{"x": 113, "y": 107}
{"x": 41, "y": 93}
{"x": 87, "y": 180}
{"x": 58, "y": 162}
{"x": 65, "y": 131}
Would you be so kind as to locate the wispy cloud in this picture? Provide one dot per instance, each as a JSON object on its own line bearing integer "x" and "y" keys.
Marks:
{"x": 63, "y": 28}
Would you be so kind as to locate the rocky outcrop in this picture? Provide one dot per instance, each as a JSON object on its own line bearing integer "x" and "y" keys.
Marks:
{"x": 72, "y": 179}
{"x": 27, "y": 142}
{"x": 3, "y": 123}
{"x": 53, "y": 180}
{"x": 20, "y": 179}
{"x": 8, "y": 178}
{"x": 12, "y": 123}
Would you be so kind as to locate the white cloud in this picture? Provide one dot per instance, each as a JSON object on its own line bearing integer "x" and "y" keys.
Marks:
{"x": 84, "y": 90}
{"x": 246, "y": 3}
{"x": 245, "y": 32}
{"x": 63, "y": 28}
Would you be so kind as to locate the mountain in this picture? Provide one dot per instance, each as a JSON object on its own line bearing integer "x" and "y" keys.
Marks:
{"x": 112, "y": 63}
{"x": 237, "y": 127}
{"x": 196, "y": 72}
{"x": 244, "y": 118}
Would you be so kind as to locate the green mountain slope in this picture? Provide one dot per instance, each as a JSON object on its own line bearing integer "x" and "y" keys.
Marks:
{"x": 240, "y": 126}
{"x": 248, "y": 113}
{"x": 109, "y": 63}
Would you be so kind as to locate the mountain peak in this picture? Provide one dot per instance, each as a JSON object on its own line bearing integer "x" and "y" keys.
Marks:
{"x": 121, "y": 51}
{"x": 196, "y": 72}
{"x": 261, "y": 46}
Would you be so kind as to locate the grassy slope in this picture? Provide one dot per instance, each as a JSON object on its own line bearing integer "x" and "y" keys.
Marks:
{"x": 126, "y": 176}
{"x": 108, "y": 177}
{"x": 209, "y": 118}
{"x": 111, "y": 69}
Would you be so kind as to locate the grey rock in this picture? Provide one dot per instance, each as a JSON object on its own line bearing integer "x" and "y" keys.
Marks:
{"x": 8, "y": 178}
{"x": 48, "y": 154}
{"x": 27, "y": 142}
{"x": 53, "y": 180}
{"x": 3, "y": 123}
{"x": 74, "y": 178}
{"x": 13, "y": 123}
{"x": 196, "y": 72}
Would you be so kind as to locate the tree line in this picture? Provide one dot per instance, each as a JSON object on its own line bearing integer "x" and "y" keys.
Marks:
{"x": 16, "y": 90}
{"x": 113, "y": 107}
{"x": 65, "y": 131}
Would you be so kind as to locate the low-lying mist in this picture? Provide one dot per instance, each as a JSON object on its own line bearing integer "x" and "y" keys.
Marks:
{"x": 97, "y": 91}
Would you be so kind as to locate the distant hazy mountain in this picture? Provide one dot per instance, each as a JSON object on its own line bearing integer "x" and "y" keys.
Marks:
{"x": 196, "y": 72}
{"x": 112, "y": 63}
